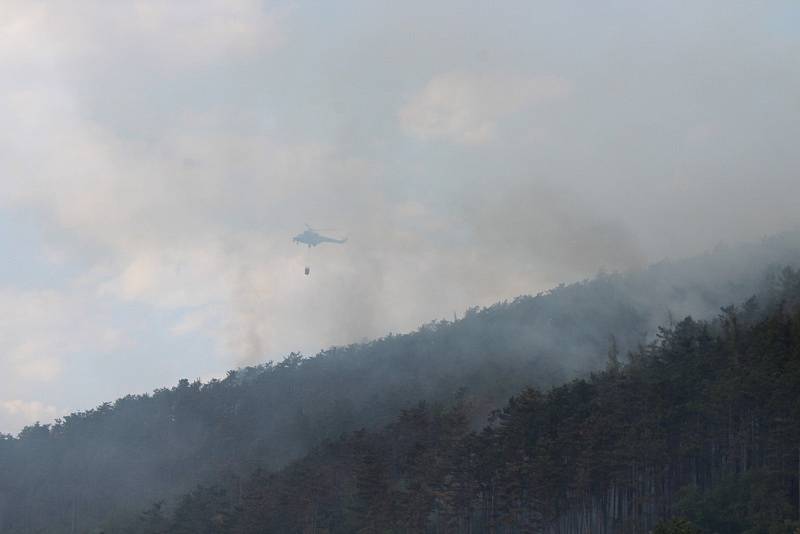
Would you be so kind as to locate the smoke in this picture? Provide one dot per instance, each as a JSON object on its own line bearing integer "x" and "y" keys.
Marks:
{"x": 168, "y": 154}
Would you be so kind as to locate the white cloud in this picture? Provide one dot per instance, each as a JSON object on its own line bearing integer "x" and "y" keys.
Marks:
{"x": 45, "y": 36}
{"x": 467, "y": 107}
{"x": 203, "y": 32}
{"x": 31, "y": 367}
{"x": 194, "y": 321}
{"x": 42, "y": 329}
{"x": 171, "y": 149}
{"x": 48, "y": 339}
{"x": 197, "y": 215}
{"x": 27, "y": 412}
{"x": 189, "y": 224}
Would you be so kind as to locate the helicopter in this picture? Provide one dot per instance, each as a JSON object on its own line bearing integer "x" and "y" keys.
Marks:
{"x": 312, "y": 238}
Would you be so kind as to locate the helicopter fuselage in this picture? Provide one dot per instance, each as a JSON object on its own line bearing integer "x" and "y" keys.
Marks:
{"x": 312, "y": 239}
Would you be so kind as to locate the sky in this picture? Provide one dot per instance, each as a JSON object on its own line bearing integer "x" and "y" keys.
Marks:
{"x": 156, "y": 159}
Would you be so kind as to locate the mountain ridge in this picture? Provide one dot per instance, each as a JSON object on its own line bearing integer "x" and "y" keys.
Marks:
{"x": 142, "y": 448}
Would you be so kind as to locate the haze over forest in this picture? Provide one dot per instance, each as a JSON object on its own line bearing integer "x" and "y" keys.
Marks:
{"x": 159, "y": 157}
{"x": 529, "y": 192}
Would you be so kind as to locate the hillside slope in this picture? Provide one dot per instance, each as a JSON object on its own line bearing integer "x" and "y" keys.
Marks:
{"x": 699, "y": 432}
{"x": 120, "y": 456}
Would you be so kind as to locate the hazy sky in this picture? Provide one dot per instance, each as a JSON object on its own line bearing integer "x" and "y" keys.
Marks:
{"x": 157, "y": 157}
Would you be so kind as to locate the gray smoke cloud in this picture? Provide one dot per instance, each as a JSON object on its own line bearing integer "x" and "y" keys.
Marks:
{"x": 161, "y": 156}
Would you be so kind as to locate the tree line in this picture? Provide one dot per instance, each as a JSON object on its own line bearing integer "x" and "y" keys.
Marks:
{"x": 104, "y": 465}
{"x": 699, "y": 431}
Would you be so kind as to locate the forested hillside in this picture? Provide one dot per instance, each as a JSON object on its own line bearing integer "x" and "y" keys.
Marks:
{"x": 95, "y": 466}
{"x": 697, "y": 432}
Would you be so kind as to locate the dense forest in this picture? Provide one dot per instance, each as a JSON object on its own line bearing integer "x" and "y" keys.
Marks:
{"x": 349, "y": 411}
{"x": 697, "y": 432}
